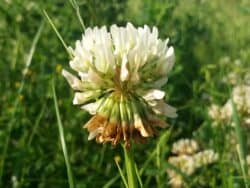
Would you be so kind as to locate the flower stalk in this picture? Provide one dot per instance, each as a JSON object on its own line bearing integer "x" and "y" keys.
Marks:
{"x": 130, "y": 168}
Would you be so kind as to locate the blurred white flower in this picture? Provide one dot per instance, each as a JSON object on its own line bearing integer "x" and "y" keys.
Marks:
{"x": 225, "y": 60}
{"x": 237, "y": 62}
{"x": 185, "y": 164}
{"x": 220, "y": 115}
{"x": 247, "y": 78}
{"x": 205, "y": 157}
{"x": 175, "y": 180}
{"x": 246, "y": 121}
{"x": 185, "y": 146}
{"x": 120, "y": 75}
{"x": 214, "y": 112}
{"x": 241, "y": 97}
{"x": 231, "y": 78}
{"x": 14, "y": 181}
{"x": 188, "y": 160}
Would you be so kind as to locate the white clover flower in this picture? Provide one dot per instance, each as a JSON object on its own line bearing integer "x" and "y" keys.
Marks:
{"x": 205, "y": 157}
{"x": 14, "y": 181}
{"x": 220, "y": 114}
{"x": 187, "y": 159}
{"x": 232, "y": 78}
{"x": 246, "y": 121}
{"x": 175, "y": 180}
{"x": 214, "y": 111}
{"x": 247, "y": 78}
{"x": 185, "y": 164}
{"x": 227, "y": 111}
{"x": 241, "y": 97}
{"x": 120, "y": 75}
{"x": 185, "y": 146}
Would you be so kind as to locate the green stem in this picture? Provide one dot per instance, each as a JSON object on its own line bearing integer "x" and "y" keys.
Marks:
{"x": 130, "y": 168}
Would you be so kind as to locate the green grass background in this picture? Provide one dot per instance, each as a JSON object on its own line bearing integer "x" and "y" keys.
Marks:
{"x": 201, "y": 31}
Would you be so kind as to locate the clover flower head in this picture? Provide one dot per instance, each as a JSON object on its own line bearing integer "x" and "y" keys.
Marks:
{"x": 205, "y": 157}
{"x": 188, "y": 160}
{"x": 223, "y": 114}
{"x": 185, "y": 146}
{"x": 241, "y": 97}
{"x": 186, "y": 164}
{"x": 120, "y": 75}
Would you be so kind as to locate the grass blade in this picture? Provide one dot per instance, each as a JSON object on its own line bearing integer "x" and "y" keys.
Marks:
{"x": 121, "y": 173}
{"x": 33, "y": 132}
{"x": 37, "y": 122}
{"x": 162, "y": 140}
{"x": 138, "y": 176}
{"x": 56, "y": 31}
{"x": 76, "y": 7}
{"x": 61, "y": 134}
{"x": 111, "y": 181}
{"x": 241, "y": 143}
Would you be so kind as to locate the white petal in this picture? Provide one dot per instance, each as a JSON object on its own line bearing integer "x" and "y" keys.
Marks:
{"x": 170, "y": 58}
{"x": 139, "y": 126}
{"x": 152, "y": 103}
{"x": 135, "y": 78}
{"x": 159, "y": 83}
{"x": 124, "y": 69}
{"x": 73, "y": 81}
{"x": 170, "y": 52}
{"x": 91, "y": 107}
{"x": 167, "y": 62}
{"x": 81, "y": 98}
{"x": 165, "y": 109}
{"x": 154, "y": 94}
{"x": 94, "y": 77}
{"x": 76, "y": 65}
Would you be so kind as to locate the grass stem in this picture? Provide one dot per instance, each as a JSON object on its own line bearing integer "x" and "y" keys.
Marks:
{"x": 241, "y": 143}
{"x": 56, "y": 31}
{"x": 61, "y": 134}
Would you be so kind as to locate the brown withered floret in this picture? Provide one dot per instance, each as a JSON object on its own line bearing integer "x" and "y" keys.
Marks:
{"x": 104, "y": 130}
